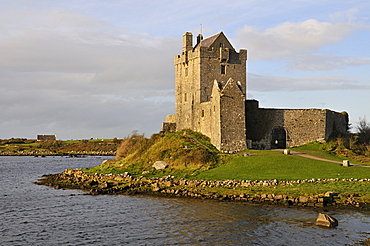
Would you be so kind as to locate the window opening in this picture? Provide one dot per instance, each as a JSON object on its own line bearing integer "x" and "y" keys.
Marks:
{"x": 223, "y": 69}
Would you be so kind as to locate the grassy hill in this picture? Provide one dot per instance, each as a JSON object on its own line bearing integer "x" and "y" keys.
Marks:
{"x": 186, "y": 152}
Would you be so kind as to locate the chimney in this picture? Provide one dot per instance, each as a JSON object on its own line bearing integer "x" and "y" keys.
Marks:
{"x": 187, "y": 41}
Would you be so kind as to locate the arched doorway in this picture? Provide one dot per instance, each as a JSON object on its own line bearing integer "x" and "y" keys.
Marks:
{"x": 278, "y": 138}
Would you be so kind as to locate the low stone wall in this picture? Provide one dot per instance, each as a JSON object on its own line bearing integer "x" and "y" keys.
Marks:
{"x": 168, "y": 186}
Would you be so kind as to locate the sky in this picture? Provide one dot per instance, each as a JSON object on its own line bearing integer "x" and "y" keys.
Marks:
{"x": 104, "y": 68}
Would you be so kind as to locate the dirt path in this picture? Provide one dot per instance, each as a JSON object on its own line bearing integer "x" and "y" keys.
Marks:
{"x": 292, "y": 152}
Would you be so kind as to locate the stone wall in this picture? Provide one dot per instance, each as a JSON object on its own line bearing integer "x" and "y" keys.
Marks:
{"x": 300, "y": 125}
{"x": 232, "y": 118}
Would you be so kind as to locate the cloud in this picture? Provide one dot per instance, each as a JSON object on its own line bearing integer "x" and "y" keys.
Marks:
{"x": 300, "y": 44}
{"x": 290, "y": 39}
{"x": 325, "y": 63}
{"x": 67, "y": 72}
{"x": 315, "y": 83}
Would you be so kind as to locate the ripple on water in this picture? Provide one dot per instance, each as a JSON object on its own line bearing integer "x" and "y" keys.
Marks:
{"x": 39, "y": 215}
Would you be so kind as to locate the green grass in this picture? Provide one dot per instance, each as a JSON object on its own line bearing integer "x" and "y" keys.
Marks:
{"x": 262, "y": 165}
{"x": 318, "y": 149}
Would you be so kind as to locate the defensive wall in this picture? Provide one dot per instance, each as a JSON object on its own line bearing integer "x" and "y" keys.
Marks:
{"x": 282, "y": 128}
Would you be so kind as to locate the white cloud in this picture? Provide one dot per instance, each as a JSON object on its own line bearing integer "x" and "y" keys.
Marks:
{"x": 325, "y": 63}
{"x": 292, "y": 39}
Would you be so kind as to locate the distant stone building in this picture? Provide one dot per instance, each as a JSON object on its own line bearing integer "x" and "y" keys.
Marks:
{"x": 46, "y": 137}
{"x": 211, "y": 98}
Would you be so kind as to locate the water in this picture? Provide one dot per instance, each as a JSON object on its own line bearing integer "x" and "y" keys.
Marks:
{"x": 38, "y": 215}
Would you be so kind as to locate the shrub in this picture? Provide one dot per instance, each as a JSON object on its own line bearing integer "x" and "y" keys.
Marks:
{"x": 129, "y": 144}
{"x": 363, "y": 129}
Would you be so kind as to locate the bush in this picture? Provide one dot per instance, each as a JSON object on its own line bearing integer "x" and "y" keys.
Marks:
{"x": 129, "y": 144}
{"x": 363, "y": 129}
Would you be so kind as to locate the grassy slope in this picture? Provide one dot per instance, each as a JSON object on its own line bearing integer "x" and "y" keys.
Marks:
{"x": 186, "y": 153}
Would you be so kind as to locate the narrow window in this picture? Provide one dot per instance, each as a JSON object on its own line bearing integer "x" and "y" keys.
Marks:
{"x": 186, "y": 72}
{"x": 223, "y": 69}
{"x": 185, "y": 99}
{"x": 202, "y": 113}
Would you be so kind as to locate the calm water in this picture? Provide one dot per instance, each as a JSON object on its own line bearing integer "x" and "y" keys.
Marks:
{"x": 38, "y": 215}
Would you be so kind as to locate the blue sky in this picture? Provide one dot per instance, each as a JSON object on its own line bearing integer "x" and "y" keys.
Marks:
{"x": 101, "y": 69}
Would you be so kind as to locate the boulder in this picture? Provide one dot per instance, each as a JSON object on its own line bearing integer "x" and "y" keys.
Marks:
{"x": 367, "y": 242}
{"x": 160, "y": 165}
{"x": 326, "y": 220}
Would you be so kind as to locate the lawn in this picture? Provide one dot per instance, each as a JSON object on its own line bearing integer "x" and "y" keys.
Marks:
{"x": 262, "y": 165}
{"x": 316, "y": 149}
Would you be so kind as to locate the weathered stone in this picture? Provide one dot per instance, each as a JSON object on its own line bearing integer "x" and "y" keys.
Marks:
{"x": 330, "y": 194}
{"x": 326, "y": 220}
{"x": 303, "y": 199}
{"x": 160, "y": 165}
{"x": 287, "y": 152}
{"x": 346, "y": 163}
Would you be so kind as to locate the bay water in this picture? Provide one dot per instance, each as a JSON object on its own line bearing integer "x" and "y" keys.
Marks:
{"x": 38, "y": 215}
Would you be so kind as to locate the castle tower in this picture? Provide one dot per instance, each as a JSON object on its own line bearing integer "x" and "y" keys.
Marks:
{"x": 197, "y": 106}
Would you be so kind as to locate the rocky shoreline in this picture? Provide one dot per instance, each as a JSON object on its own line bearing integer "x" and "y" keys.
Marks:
{"x": 114, "y": 184}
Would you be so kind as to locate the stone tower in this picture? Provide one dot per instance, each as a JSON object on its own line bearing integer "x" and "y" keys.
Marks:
{"x": 210, "y": 90}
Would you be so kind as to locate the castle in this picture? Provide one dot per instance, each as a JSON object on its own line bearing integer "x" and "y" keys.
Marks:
{"x": 211, "y": 98}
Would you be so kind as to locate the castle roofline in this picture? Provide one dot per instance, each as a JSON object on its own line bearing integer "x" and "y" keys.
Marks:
{"x": 207, "y": 42}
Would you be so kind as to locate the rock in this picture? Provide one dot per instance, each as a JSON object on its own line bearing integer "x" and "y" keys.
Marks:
{"x": 346, "y": 163}
{"x": 160, "y": 165}
{"x": 145, "y": 172}
{"x": 326, "y": 220}
{"x": 367, "y": 242}
{"x": 303, "y": 199}
{"x": 286, "y": 151}
{"x": 330, "y": 194}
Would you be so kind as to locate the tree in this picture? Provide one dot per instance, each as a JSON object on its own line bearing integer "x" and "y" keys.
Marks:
{"x": 363, "y": 129}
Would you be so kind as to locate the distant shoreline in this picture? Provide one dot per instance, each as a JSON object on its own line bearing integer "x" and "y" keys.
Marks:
{"x": 60, "y": 154}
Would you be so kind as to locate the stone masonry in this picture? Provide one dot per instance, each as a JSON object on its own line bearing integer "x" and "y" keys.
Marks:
{"x": 210, "y": 87}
